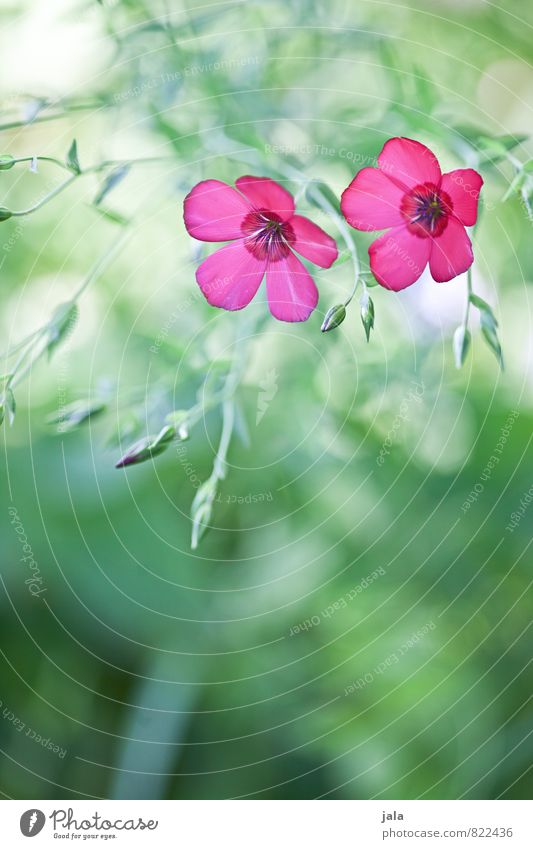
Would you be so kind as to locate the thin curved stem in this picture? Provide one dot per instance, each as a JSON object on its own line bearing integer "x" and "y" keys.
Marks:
{"x": 469, "y": 292}
{"x": 52, "y": 159}
{"x": 44, "y": 200}
{"x": 92, "y": 169}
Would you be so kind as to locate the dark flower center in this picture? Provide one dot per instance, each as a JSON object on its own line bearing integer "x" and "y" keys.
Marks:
{"x": 426, "y": 209}
{"x": 266, "y": 235}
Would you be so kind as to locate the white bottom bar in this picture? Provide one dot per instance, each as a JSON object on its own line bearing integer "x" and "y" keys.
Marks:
{"x": 268, "y": 824}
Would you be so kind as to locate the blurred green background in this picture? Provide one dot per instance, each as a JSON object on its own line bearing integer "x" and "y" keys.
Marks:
{"x": 142, "y": 669}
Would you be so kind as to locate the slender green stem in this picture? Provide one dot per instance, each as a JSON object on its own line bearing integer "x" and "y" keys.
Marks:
{"x": 92, "y": 169}
{"x": 527, "y": 204}
{"x": 52, "y": 159}
{"x": 203, "y": 503}
{"x": 22, "y": 344}
{"x": 25, "y": 363}
{"x": 228, "y": 406}
{"x": 39, "y": 119}
{"x": 44, "y": 200}
{"x": 330, "y": 210}
{"x": 469, "y": 291}
{"x": 228, "y": 421}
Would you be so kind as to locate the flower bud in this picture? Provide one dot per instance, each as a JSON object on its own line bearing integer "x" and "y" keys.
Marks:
{"x": 461, "y": 344}
{"x": 6, "y": 162}
{"x": 334, "y": 317}
{"x": 367, "y": 313}
{"x": 147, "y": 447}
{"x": 5, "y": 213}
{"x": 136, "y": 453}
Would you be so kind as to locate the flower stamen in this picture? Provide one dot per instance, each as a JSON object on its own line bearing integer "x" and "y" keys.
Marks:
{"x": 426, "y": 209}
{"x": 267, "y": 236}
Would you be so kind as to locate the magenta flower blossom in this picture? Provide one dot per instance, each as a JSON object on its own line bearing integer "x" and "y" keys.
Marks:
{"x": 426, "y": 211}
{"x": 259, "y": 220}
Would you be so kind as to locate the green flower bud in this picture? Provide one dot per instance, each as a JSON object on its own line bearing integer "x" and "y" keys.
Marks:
{"x": 461, "y": 344}
{"x": 178, "y": 419}
{"x": 334, "y": 317}
{"x": 367, "y": 313}
{"x": 6, "y": 162}
{"x": 5, "y": 213}
{"x": 165, "y": 435}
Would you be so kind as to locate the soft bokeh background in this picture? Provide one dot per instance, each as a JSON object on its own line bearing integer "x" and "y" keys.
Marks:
{"x": 164, "y": 673}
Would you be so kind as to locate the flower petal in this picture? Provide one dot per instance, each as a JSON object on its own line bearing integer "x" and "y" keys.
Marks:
{"x": 230, "y": 277}
{"x": 291, "y": 291}
{"x": 312, "y": 242}
{"x": 372, "y": 201}
{"x": 463, "y": 186}
{"x": 451, "y": 253}
{"x": 213, "y": 211}
{"x": 409, "y": 163}
{"x": 398, "y": 258}
{"x": 265, "y": 193}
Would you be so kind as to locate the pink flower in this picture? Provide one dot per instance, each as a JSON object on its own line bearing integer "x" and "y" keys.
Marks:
{"x": 427, "y": 212}
{"x": 259, "y": 220}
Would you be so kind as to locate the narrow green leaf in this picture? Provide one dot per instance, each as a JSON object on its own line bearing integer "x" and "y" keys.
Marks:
{"x": 515, "y": 185}
{"x": 72, "y": 158}
{"x": 62, "y": 323}
{"x": 10, "y": 405}
{"x": 200, "y": 520}
{"x": 201, "y": 509}
{"x": 490, "y": 334}
{"x": 111, "y": 181}
{"x": 483, "y": 306}
{"x": 495, "y": 148}
{"x": 111, "y": 215}
{"x": 315, "y": 188}
{"x": 425, "y": 90}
